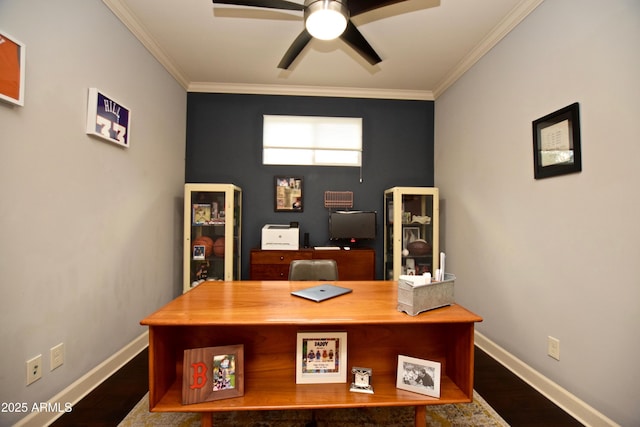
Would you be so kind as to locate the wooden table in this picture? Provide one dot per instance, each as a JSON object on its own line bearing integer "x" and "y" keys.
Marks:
{"x": 265, "y": 318}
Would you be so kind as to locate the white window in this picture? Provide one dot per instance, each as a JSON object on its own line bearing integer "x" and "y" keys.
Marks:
{"x": 307, "y": 140}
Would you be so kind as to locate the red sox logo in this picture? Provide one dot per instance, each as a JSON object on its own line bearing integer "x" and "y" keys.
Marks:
{"x": 199, "y": 375}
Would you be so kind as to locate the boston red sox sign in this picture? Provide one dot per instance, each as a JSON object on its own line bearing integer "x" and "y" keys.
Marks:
{"x": 108, "y": 119}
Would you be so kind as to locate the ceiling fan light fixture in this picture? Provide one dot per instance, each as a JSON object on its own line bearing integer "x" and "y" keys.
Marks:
{"x": 326, "y": 19}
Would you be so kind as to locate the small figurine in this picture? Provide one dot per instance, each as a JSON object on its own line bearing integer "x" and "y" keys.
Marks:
{"x": 203, "y": 271}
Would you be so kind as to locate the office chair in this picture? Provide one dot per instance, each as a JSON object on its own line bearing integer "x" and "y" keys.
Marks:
{"x": 313, "y": 269}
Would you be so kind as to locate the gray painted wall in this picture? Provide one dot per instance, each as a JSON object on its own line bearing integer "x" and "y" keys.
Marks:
{"x": 91, "y": 232}
{"x": 558, "y": 256}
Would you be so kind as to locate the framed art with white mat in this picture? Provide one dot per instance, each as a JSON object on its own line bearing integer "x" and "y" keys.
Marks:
{"x": 418, "y": 375}
{"x": 321, "y": 357}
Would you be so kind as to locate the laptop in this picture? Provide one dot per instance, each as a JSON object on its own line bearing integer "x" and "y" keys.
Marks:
{"x": 321, "y": 292}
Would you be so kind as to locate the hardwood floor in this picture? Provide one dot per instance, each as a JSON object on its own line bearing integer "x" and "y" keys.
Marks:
{"x": 111, "y": 401}
{"x": 517, "y": 403}
{"x": 512, "y": 398}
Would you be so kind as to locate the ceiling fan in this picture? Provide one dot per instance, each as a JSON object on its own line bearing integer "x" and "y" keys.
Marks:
{"x": 325, "y": 20}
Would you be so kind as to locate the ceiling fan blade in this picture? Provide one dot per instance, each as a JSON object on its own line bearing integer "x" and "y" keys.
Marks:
{"x": 356, "y": 40}
{"x": 356, "y": 7}
{"x": 271, "y": 4}
{"x": 294, "y": 50}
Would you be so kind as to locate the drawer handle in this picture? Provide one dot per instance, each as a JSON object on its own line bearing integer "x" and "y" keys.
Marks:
{"x": 281, "y": 274}
{"x": 281, "y": 257}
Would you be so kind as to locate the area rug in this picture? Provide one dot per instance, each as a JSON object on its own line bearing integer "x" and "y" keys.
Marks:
{"x": 475, "y": 414}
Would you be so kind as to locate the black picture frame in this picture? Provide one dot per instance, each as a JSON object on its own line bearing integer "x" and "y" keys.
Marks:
{"x": 556, "y": 143}
{"x": 288, "y": 194}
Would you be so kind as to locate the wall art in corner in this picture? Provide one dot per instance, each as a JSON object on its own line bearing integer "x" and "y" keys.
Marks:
{"x": 556, "y": 143}
{"x": 12, "y": 60}
{"x": 107, "y": 118}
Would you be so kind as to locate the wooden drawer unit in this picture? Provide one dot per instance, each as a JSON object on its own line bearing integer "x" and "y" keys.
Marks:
{"x": 356, "y": 264}
{"x": 274, "y": 265}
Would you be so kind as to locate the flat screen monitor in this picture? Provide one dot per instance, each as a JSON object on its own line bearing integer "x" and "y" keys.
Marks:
{"x": 352, "y": 225}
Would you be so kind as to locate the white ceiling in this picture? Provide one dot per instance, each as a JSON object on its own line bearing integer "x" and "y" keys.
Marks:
{"x": 425, "y": 46}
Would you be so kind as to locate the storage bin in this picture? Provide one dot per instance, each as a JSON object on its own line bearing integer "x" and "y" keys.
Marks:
{"x": 415, "y": 298}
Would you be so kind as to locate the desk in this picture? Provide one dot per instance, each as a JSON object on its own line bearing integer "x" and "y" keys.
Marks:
{"x": 264, "y": 317}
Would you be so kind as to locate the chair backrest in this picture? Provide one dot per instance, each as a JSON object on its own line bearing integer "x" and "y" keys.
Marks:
{"x": 313, "y": 269}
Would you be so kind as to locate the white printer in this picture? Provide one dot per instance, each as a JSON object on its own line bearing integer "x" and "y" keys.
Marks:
{"x": 282, "y": 237}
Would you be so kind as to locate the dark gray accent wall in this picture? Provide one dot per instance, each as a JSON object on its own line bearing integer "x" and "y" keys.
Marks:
{"x": 224, "y": 145}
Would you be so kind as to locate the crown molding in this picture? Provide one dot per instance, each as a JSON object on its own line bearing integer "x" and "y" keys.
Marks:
{"x": 124, "y": 14}
{"x": 512, "y": 20}
{"x": 326, "y": 91}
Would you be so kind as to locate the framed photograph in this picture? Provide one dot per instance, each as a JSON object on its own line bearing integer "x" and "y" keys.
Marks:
{"x": 107, "y": 118}
{"x": 418, "y": 375}
{"x": 198, "y": 252}
{"x": 212, "y": 373}
{"x": 288, "y": 194}
{"x": 12, "y": 54}
{"x": 556, "y": 143}
{"x": 409, "y": 234}
{"x": 202, "y": 213}
{"x": 321, "y": 357}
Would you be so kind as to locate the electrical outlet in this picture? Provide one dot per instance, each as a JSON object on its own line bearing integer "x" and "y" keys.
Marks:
{"x": 57, "y": 356}
{"x": 553, "y": 347}
{"x": 34, "y": 369}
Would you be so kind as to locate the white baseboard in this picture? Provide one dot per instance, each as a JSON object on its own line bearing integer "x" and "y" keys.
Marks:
{"x": 85, "y": 384}
{"x": 572, "y": 405}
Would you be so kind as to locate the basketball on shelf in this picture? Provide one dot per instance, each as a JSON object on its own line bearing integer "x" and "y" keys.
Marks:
{"x": 205, "y": 241}
{"x": 218, "y": 247}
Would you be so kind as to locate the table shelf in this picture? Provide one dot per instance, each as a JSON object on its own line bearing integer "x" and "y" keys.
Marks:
{"x": 262, "y": 396}
{"x": 265, "y": 319}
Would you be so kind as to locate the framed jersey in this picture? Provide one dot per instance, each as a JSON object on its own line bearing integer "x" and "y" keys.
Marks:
{"x": 107, "y": 118}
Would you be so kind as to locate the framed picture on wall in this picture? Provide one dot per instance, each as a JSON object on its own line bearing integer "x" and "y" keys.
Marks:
{"x": 288, "y": 194}
{"x": 556, "y": 143}
{"x": 108, "y": 119}
{"x": 12, "y": 63}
